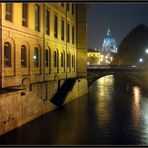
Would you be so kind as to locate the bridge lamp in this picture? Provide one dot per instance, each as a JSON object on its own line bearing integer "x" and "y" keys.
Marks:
{"x": 146, "y": 51}
{"x": 140, "y": 60}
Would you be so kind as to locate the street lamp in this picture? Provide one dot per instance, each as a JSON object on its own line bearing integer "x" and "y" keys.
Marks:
{"x": 146, "y": 51}
{"x": 141, "y": 60}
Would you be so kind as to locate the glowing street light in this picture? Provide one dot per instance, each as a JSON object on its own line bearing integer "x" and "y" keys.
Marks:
{"x": 141, "y": 60}
{"x": 146, "y": 51}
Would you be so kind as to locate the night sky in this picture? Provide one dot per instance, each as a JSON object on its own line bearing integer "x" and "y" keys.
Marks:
{"x": 121, "y": 18}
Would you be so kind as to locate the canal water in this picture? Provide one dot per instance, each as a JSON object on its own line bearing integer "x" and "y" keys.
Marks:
{"x": 113, "y": 113}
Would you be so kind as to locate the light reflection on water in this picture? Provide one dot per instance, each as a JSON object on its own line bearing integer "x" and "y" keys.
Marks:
{"x": 114, "y": 112}
{"x": 121, "y": 111}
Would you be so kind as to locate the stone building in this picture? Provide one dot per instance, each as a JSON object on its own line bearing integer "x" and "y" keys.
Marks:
{"x": 109, "y": 48}
{"x": 43, "y": 45}
{"x": 109, "y": 44}
{"x": 93, "y": 57}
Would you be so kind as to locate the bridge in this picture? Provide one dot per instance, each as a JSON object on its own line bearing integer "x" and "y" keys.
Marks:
{"x": 96, "y": 72}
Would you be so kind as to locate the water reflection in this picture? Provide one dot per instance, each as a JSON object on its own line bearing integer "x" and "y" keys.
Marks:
{"x": 114, "y": 112}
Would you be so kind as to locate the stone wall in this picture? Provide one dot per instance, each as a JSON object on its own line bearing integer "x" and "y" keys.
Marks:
{"x": 20, "y": 107}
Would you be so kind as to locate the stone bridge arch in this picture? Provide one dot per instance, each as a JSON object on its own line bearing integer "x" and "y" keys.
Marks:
{"x": 130, "y": 76}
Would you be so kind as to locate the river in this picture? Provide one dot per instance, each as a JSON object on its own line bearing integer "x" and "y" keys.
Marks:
{"x": 113, "y": 113}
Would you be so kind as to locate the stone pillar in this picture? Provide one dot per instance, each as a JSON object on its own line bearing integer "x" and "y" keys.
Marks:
{"x": 81, "y": 39}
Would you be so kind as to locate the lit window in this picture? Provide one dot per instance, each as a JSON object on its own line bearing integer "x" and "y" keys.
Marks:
{"x": 23, "y": 56}
{"x": 7, "y": 54}
{"x": 36, "y": 57}
{"x": 46, "y": 58}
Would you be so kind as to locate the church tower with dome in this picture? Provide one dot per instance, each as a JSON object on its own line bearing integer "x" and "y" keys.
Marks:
{"x": 109, "y": 44}
{"x": 109, "y": 49}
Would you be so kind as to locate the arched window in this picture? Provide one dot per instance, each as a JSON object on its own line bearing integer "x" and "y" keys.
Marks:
{"x": 46, "y": 58}
{"x": 7, "y": 54}
{"x": 55, "y": 59}
{"x": 62, "y": 59}
{"x": 23, "y": 56}
{"x": 72, "y": 61}
{"x": 67, "y": 60}
{"x": 36, "y": 57}
{"x": 49, "y": 60}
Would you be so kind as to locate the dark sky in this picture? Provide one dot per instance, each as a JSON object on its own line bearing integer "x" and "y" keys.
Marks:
{"x": 121, "y": 18}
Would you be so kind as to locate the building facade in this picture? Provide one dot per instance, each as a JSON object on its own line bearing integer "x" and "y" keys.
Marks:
{"x": 38, "y": 43}
{"x": 93, "y": 57}
{"x": 43, "y": 45}
{"x": 109, "y": 44}
{"x": 109, "y": 48}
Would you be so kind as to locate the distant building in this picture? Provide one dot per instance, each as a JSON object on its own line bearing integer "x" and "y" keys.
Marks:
{"x": 109, "y": 48}
{"x": 109, "y": 44}
{"x": 93, "y": 57}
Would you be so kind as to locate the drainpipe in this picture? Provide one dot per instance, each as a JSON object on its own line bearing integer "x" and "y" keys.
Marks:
{"x": 44, "y": 34}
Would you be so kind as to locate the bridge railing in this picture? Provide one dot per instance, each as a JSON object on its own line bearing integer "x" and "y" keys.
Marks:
{"x": 117, "y": 67}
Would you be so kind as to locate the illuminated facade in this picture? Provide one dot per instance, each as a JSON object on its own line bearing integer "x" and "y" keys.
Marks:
{"x": 109, "y": 49}
{"x": 109, "y": 44}
{"x": 44, "y": 49}
{"x": 39, "y": 43}
{"x": 93, "y": 57}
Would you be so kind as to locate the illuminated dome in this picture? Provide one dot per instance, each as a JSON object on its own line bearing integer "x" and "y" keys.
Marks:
{"x": 109, "y": 44}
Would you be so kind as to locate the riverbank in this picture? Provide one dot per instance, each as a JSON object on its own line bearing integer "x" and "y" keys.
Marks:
{"x": 21, "y": 106}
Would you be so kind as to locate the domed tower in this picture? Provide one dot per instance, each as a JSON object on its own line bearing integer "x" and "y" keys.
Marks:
{"x": 109, "y": 44}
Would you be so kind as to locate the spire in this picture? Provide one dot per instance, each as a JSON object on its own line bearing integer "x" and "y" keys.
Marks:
{"x": 108, "y": 32}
